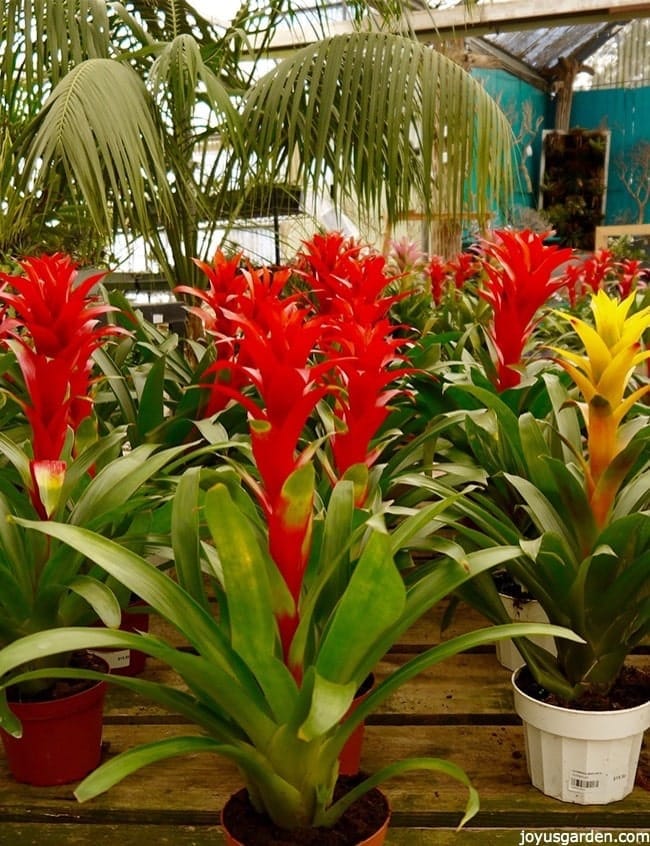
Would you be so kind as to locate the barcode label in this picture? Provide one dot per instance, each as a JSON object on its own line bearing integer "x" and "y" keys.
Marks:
{"x": 583, "y": 782}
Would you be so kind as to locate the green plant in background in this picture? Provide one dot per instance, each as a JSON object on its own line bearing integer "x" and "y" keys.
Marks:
{"x": 156, "y": 123}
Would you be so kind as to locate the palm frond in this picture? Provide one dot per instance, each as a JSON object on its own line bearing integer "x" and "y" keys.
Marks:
{"x": 384, "y": 119}
{"x": 110, "y": 146}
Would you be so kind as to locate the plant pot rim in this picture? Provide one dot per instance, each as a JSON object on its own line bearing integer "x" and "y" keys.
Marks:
{"x": 635, "y": 718}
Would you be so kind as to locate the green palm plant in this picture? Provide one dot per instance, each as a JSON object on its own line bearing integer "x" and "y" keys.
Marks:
{"x": 151, "y": 122}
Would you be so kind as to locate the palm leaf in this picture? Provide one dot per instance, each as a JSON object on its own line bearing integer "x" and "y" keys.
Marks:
{"x": 431, "y": 126}
{"x": 110, "y": 147}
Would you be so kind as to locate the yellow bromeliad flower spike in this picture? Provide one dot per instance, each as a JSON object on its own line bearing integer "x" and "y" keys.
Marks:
{"x": 613, "y": 351}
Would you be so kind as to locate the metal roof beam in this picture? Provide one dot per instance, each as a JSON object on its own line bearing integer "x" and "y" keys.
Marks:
{"x": 484, "y": 19}
{"x": 517, "y": 15}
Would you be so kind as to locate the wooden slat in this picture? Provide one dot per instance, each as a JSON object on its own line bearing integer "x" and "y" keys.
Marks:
{"x": 192, "y": 789}
{"x": 35, "y": 834}
{"x": 470, "y": 686}
{"x": 460, "y": 710}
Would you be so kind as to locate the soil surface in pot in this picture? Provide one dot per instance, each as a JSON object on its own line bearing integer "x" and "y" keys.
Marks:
{"x": 631, "y": 688}
{"x": 61, "y": 688}
{"x": 358, "y": 823}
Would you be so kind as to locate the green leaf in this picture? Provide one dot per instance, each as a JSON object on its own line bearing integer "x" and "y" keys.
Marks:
{"x": 228, "y": 692}
{"x": 154, "y": 587}
{"x": 540, "y": 509}
{"x": 329, "y": 702}
{"x": 18, "y": 458}
{"x": 117, "y": 384}
{"x": 439, "y": 653}
{"x": 253, "y": 629}
{"x": 117, "y": 482}
{"x": 100, "y": 597}
{"x": 151, "y": 410}
{"x": 118, "y": 768}
{"x": 77, "y": 128}
{"x": 186, "y": 537}
{"x": 372, "y": 603}
{"x": 330, "y": 815}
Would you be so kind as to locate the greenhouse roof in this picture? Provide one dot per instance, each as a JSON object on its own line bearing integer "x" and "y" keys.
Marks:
{"x": 525, "y": 37}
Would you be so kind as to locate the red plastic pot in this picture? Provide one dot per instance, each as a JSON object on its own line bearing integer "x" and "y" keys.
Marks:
{"x": 350, "y": 757}
{"x": 61, "y": 740}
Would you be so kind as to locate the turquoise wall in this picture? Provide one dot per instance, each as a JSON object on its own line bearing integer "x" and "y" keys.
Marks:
{"x": 512, "y": 93}
{"x": 624, "y": 111}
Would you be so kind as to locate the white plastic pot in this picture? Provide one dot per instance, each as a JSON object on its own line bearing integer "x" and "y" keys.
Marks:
{"x": 586, "y": 757}
{"x": 529, "y": 611}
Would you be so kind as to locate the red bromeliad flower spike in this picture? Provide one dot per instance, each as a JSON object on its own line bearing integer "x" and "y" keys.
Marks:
{"x": 226, "y": 289}
{"x": 370, "y": 362}
{"x": 630, "y": 276}
{"x": 273, "y": 338}
{"x": 347, "y": 279}
{"x": 291, "y": 350}
{"x": 519, "y": 278}
{"x": 438, "y": 272}
{"x": 349, "y": 282}
{"x": 53, "y": 326}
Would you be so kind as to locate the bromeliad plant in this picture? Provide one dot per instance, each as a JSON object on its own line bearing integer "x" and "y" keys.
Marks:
{"x": 282, "y": 352}
{"x": 284, "y": 731}
{"x": 586, "y": 542}
{"x": 519, "y": 273}
{"x": 60, "y": 469}
{"x": 308, "y": 592}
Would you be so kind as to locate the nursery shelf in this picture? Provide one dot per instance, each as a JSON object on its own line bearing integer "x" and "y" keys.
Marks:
{"x": 461, "y": 711}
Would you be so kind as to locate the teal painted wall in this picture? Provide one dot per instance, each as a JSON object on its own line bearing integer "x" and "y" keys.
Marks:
{"x": 624, "y": 111}
{"x": 515, "y": 98}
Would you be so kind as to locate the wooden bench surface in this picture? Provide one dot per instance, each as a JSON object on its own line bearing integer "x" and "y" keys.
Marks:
{"x": 460, "y": 710}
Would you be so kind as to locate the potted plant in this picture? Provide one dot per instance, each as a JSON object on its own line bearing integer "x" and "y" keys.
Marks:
{"x": 308, "y": 593}
{"x": 283, "y": 722}
{"x": 55, "y": 468}
{"x": 587, "y": 560}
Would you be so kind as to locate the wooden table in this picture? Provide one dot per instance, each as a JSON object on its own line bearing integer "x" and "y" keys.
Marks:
{"x": 460, "y": 710}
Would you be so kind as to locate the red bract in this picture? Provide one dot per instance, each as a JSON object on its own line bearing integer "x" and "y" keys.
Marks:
{"x": 349, "y": 282}
{"x": 462, "y": 268}
{"x": 271, "y": 351}
{"x": 226, "y": 284}
{"x": 573, "y": 282}
{"x": 226, "y": 288}
{"x": 54, "y": 330}
{"x": 630, "y": 276}
{"x": 368, "y": 364}
{"x": 596, "y": 269}
{"x": 438, "y": 274}
{"x": 347, "y": 279}
{"x": 518, "y": 268}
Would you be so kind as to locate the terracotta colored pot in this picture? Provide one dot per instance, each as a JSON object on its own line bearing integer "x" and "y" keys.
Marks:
{"x": 376, "y": 838}
{"x": 62, "y": 738}
{"x": 350, "y": 757}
